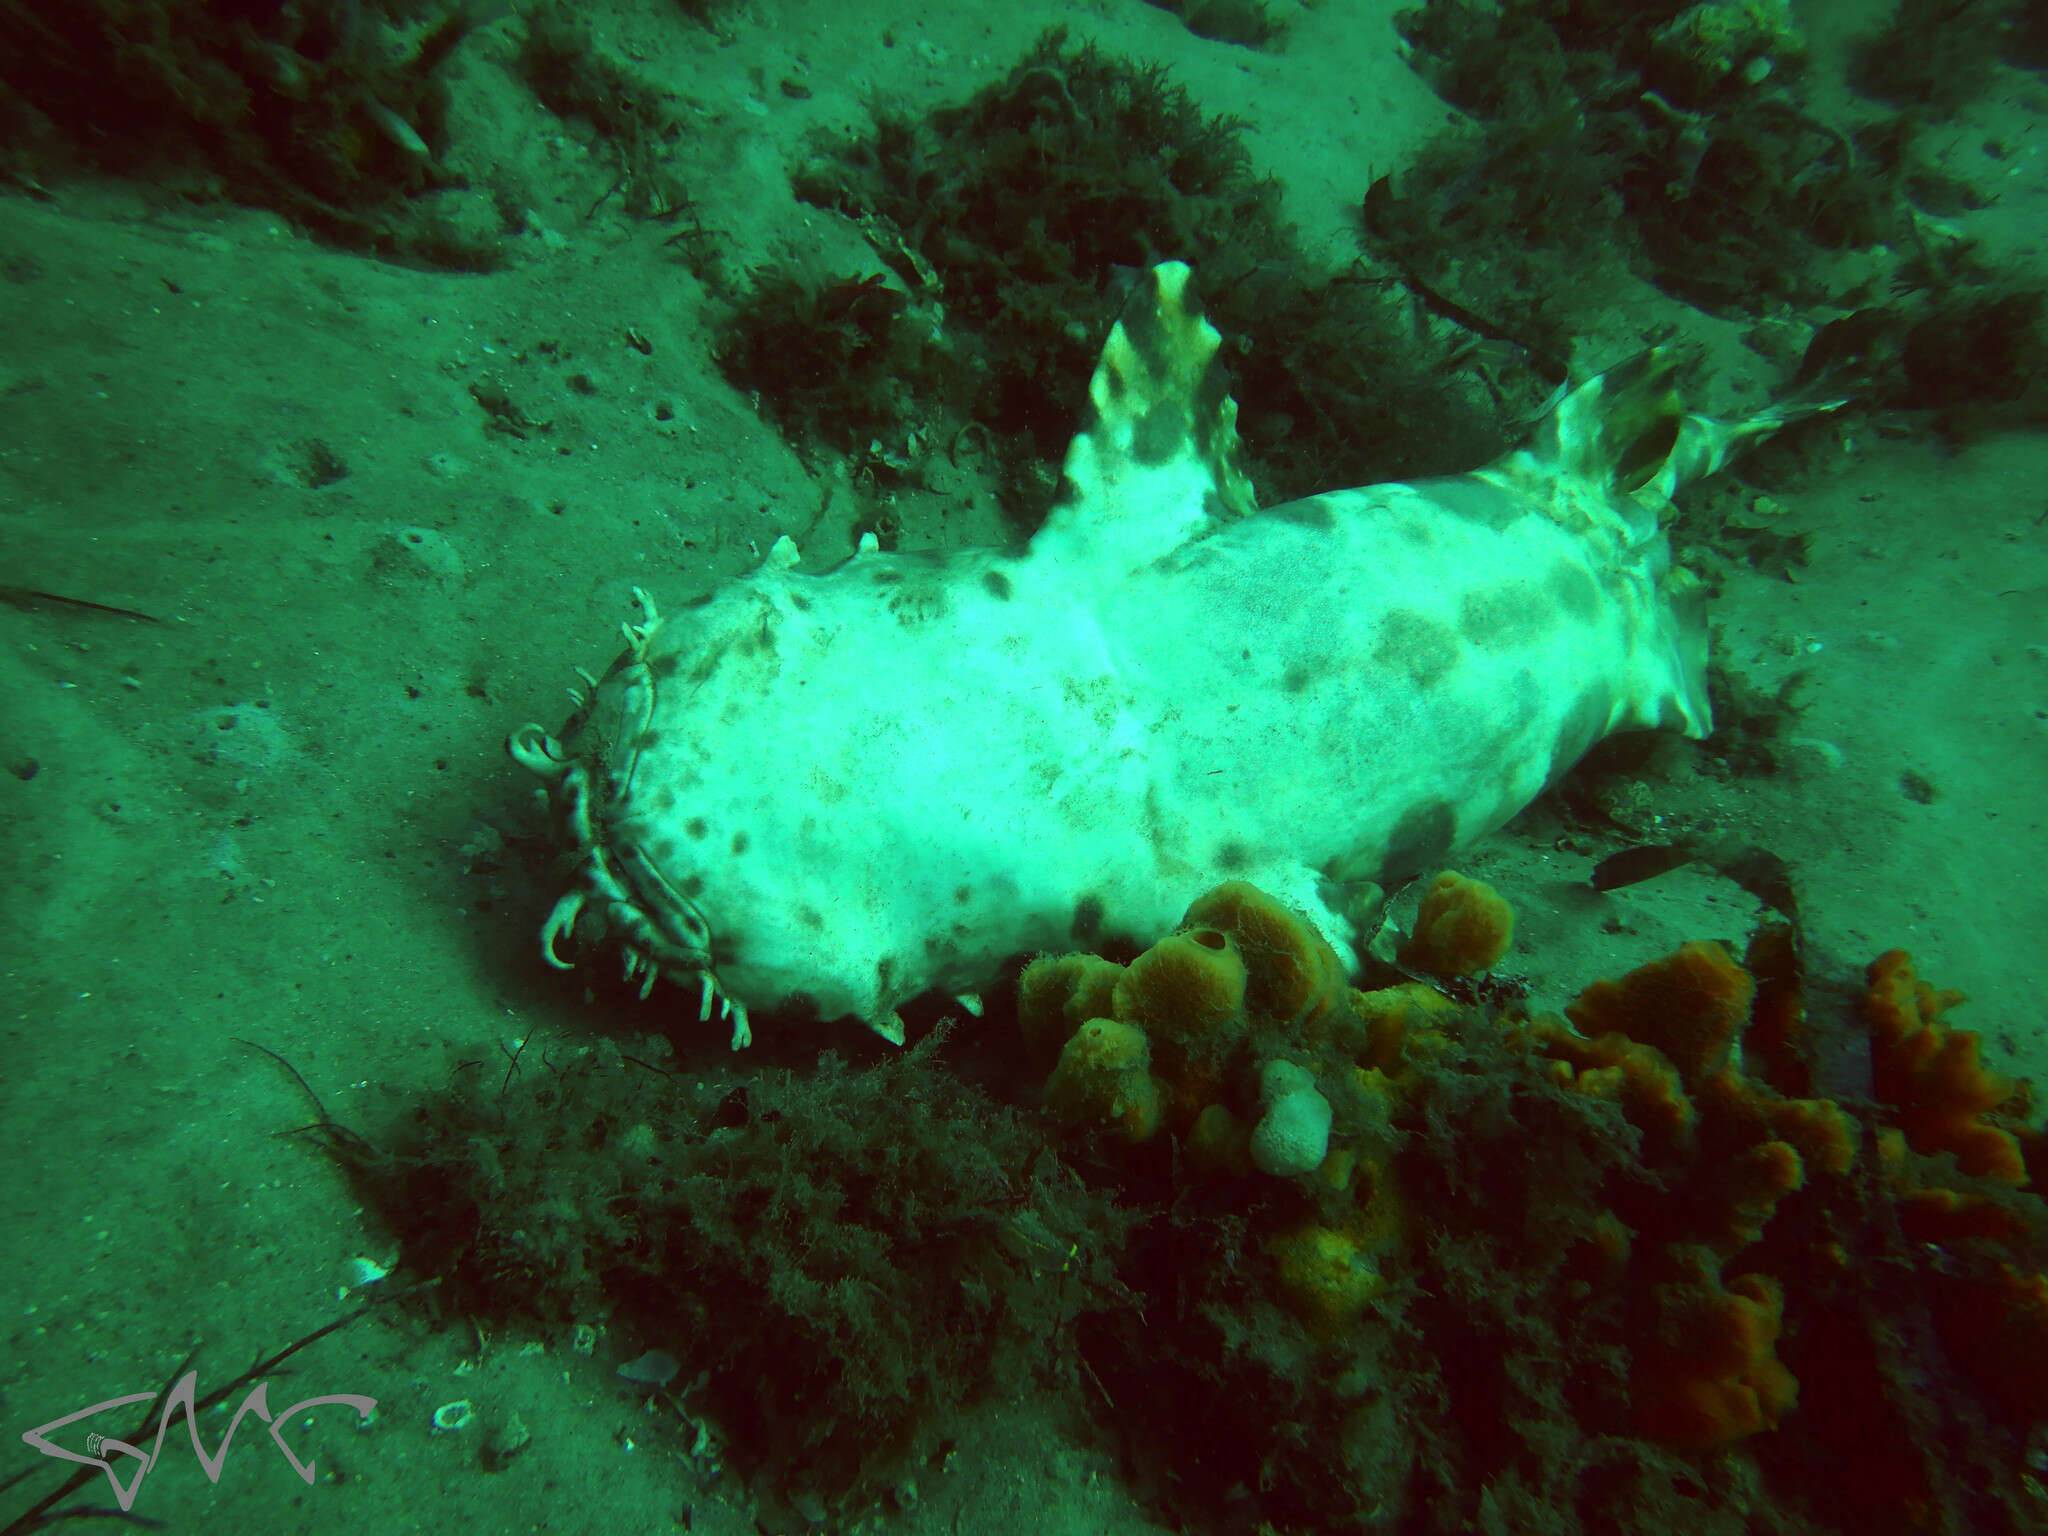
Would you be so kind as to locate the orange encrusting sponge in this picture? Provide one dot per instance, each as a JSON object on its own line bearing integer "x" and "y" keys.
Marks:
{"x": 1690, "y": 1005}
{"x": 1932, "y": 1076}
{"x": 1711, "y": 1373}
{"x": 1702, "y": 1231}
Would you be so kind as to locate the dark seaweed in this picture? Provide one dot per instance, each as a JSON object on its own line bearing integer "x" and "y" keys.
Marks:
{"x": 1014, "y": 221}
{"x": 842, "y": 1257}
{"x": 318, "y": 110}
{"x": 1614, "y": 139}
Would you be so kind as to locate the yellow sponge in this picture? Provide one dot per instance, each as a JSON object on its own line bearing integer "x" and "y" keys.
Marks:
{"x": 1056, "y": 993}
{"x": 1294, "y": 974}
{"x": 1189, "y": 987}
{"x": 1104, "y": 1078}
{"x": 1462, "y": 929}
{"x": 1326, "y": 1275}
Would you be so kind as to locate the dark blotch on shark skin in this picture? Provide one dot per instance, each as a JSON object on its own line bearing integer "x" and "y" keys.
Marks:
{"x": 1143, "y": 327}
{"x": 998, "y": 585}
{"x": 1420, "y": 839}
{"x": 1296, "y": 679}
{"x": 665, "y": 665}
{"x": 707, "y": 664}
{"x": 1475, "y": 500}
{"x": 1505, "y": 617}
{"x": 1309, "y": 512}
{"x": 1189, "y": 557}
{"x": 739, "y": 843}
{"x": 1158, "y": 436}
{"x": 922, "y": 601}
{"x": 799, "y": 602}
{"x": 811, "y": 918}
{"x": 695, "y": 827}
{"x": 701, "y": 600}
{"x": 1232, "y": 856}
{"x": 731, "y": 945}
{"x": 1416, "y": 644}
{"x": 1575, "y": 590}
{"x": 962, "y": 894}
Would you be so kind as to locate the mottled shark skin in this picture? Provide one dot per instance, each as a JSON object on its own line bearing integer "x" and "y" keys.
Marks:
{"x": 837, "y": 791}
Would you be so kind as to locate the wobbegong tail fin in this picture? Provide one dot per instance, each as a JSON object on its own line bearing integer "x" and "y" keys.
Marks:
{"x": 1626, "y": 434}
{"x": 1705, "y": 444}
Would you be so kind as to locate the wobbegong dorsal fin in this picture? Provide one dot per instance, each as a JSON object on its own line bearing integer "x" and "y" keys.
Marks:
{"x": 1157, "y": 460}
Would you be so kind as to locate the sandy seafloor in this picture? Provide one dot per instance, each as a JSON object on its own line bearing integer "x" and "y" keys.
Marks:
{"x": 260, "y": 817}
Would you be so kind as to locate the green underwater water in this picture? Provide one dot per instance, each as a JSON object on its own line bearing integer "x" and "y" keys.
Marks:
{"x": 360, "y": 360}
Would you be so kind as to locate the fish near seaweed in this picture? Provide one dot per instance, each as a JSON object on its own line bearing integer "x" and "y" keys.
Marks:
{"x": 836, "y": 791}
